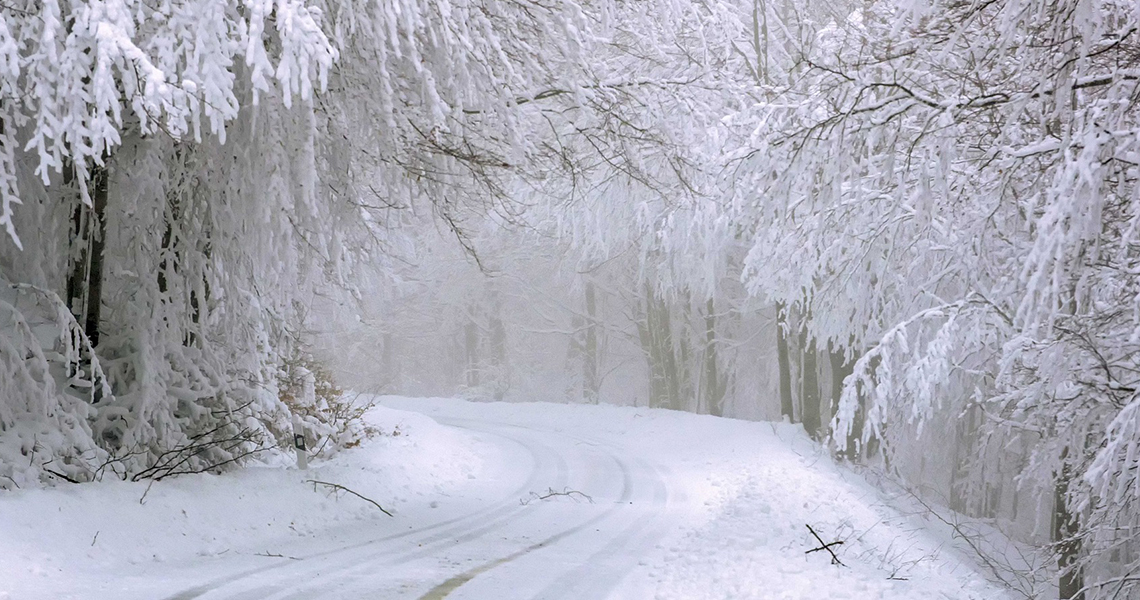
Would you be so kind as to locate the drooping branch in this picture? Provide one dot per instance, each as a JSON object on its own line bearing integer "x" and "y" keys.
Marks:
{"x": 336, "y": 487}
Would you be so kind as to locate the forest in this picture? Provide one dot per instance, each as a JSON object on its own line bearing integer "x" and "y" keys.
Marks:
{"x": 911, "y": 227}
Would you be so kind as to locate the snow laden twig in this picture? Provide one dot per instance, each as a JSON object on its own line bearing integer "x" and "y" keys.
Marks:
{"x": 74, "y": 344}
{"x": 336, "y": 487}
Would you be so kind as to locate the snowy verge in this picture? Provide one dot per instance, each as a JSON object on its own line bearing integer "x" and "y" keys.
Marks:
{"x": 759, "y": 545}
{"x": 52, "y": 540}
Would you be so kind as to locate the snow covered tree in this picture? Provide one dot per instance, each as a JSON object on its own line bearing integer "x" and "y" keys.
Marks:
{"x": 188, "y": 175}
{"x": 949, "y": 189}
{"x": 117, "y": 114}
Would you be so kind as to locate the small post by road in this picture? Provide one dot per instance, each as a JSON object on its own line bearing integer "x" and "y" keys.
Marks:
{"x": 299, "y": 444}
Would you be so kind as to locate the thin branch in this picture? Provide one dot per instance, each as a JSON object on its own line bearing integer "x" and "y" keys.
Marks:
{"x": 341, "y": 488}
{"x": 825, "y": 546}
{"x": 550, "y": 493}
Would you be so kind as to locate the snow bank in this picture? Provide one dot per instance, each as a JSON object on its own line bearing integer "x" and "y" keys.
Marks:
{"x": 50, "y": 539}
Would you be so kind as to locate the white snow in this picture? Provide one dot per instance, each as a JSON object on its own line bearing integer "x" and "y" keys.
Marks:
{"x": 683, "y": 507}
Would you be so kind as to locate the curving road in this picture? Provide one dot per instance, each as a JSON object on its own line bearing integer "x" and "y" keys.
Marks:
{"x": 562, "y": 547}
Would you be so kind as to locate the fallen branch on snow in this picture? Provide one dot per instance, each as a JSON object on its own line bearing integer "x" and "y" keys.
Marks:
{"x": 340, "y": 488}
{"x": 271, "y": 555}
{"x": 550, "y": 493}
{"x": 825, "y": 546}
{"x": 59, "y": 475}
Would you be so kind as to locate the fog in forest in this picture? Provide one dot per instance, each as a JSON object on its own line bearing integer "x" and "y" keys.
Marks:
{"x": 884, "y": 250}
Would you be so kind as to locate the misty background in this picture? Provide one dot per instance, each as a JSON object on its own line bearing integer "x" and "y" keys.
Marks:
{"x": 911, "y": 227}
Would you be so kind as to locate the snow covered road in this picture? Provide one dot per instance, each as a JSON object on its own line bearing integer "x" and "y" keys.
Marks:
{"x": 600, "y": 511}
{"x": 515, "y": 545}
{"x": 495, "y": 501}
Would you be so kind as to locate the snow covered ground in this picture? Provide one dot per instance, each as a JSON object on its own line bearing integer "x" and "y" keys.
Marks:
{"x": 652, "y": 505}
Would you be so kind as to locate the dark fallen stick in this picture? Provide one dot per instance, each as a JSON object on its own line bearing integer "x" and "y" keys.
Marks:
{"x": 60, "y": 475}
{"x": 272, "y": 555}
{"x": 550, "y": 493}
{"x": 825, "y": 546}
{"x": 337, "y": 486}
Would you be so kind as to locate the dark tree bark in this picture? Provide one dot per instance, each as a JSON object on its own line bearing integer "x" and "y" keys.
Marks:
{"x": 85, "y": 268}
{"x": 98, "y": 238}
{"x": 85, "y": 280}
{"x": 80, "y": 250}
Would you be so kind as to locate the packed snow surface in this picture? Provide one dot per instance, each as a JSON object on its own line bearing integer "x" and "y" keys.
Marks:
{"x": 495, "y": 501}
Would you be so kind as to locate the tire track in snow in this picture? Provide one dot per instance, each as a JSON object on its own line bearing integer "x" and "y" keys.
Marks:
{"x": 503, "y": 515}
{"x": 498, "y": 513}
{"x": 450, "y": 585}
{"x": 602, "y": 570}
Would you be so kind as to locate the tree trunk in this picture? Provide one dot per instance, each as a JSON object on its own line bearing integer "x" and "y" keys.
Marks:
{"x": 676, "y": 346}
{"x": 1066, "y": 527}
{"x": 85, "y": 269}
{"x": 966, "y": 445}
{"x": 388, "y": 358}
{"x": 760, "y": 38}
{"x": 666, "y": 360}
{"x": 714, "y": 385}
{"x": 85, "y": 281}
{"x": 98, "y": 238}
{"x": 80, "y": 252}
{"x": 575, "y": 388}
{"x": 787, "y": 408}
{"x": 498, "y": 350}
{"x": 590, "y": 383}
{"x": 654, "y": 336}
{"x": 841, "y": 367}
{"x": 809, "y": 389}
{"x": 471, "y": 351}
